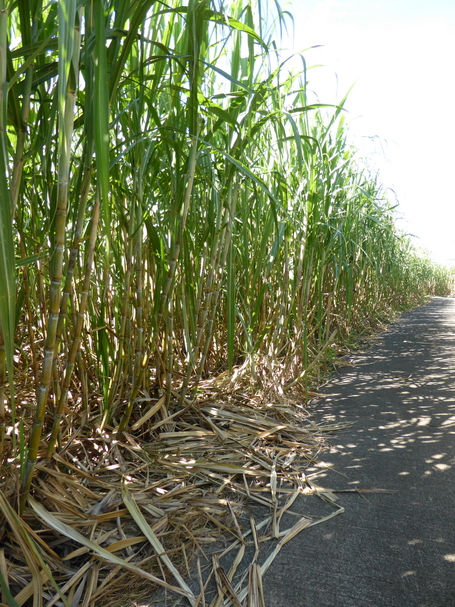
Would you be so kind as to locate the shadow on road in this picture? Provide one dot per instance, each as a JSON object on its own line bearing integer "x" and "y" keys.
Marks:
{"x": 394, "y": 549}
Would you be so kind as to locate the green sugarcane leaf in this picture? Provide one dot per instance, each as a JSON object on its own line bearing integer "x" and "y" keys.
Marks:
{"x": 7, "y": 261}
{"x": 101, "y": 109}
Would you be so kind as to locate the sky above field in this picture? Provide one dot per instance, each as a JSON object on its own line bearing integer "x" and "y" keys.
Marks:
{"x": 400, "y": 57}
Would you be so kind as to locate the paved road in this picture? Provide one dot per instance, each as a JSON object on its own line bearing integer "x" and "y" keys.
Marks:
{"x": 386, "y": 550}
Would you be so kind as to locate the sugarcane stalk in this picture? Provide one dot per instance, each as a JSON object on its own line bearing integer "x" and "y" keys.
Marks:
{"x": 77, "y": 331}
{"x": 68, "y": 68}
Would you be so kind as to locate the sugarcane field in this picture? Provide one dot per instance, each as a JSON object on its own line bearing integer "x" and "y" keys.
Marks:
{"x": 190, "y": 247}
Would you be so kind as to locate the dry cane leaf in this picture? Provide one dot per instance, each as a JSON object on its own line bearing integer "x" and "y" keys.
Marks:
{"x": 255, "y": 589}
{"x": 155, "y": 542}
{"x": 224, "y": 583}
{"x": 68, "y": 531}
{"x": 40, "y": 571}
{"x": 150, "y": 413}
{"x": 76, "y": 577}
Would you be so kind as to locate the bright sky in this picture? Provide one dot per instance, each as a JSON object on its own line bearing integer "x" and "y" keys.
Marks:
{"x": 400, "y": 56}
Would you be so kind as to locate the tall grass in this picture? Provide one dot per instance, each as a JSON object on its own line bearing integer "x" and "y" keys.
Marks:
{"x": 173, "y": 206}
{"x": 235, "y": 221}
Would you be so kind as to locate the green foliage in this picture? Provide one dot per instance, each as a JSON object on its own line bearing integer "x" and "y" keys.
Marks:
{"x": 7, "y": 267}
{"x": 180, "y": 207}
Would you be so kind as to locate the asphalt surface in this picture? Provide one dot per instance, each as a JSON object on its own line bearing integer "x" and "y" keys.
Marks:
{"x": 387, "y": 549}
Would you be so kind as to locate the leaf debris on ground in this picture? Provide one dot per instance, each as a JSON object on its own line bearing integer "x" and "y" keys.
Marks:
{"x": 146, "y": 511}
